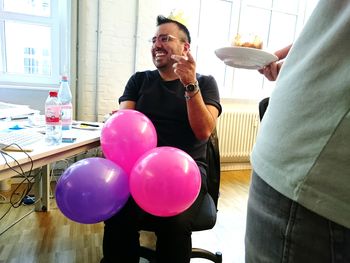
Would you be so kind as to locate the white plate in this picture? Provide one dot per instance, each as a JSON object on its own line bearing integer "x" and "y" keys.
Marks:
{"x": 245, "y": 57}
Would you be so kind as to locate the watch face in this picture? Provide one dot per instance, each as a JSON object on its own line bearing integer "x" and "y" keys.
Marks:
{"x": 190, "y": 88}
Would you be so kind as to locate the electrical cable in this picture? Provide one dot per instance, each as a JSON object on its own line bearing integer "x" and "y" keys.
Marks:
{"x": 52, "y": 174}
{"x": 18, "y": 202}
{"x": 29, "y": 184}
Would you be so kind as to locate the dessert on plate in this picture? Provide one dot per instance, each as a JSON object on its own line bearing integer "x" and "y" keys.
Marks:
{"x": 245, "y": 51}
{"x": 247, "y": 40}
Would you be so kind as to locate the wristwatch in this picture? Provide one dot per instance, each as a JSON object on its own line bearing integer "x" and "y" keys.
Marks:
{"x": 192, "y": 87}
{"x": 191, "y": 90}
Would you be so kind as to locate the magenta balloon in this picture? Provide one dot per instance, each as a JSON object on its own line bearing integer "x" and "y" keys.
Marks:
{"x": 165, "y": 181}
{"x": 92, "y": 190}
{"x": 127, "y": 135}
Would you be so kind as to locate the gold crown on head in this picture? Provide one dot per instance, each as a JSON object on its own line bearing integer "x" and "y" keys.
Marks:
{"x": 178, "y": 16}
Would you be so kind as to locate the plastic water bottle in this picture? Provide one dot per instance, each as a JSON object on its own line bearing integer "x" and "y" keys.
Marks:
{"x": 65, "y": 97}
{"x": 53, "y": 133}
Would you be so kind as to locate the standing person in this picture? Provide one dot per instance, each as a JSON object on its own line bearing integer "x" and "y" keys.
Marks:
{"x": 183, "y": 106}
{"x": 299, "y": 199}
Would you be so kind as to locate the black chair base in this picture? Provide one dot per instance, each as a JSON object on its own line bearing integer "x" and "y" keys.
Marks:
{"x": 202, "y": 253}
{"x": 149, "y": 254}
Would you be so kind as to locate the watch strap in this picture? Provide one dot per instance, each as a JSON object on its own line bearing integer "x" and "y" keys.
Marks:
{"x": 188, "y": 97}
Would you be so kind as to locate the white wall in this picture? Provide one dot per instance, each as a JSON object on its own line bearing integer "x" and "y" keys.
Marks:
{"x": 106, "y": 54}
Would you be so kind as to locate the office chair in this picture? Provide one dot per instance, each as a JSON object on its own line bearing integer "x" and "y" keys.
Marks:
{"x": 206, "y": 217}
{"x": 263, "y": 107}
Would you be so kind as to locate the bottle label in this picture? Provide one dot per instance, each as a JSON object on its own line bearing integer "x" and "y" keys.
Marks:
{"x": 53, "y": 115}
{"x": 66, "y": 111}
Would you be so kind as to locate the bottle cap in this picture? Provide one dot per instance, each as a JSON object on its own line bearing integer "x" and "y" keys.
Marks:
{"x": 64, "y": 77}
{"x": 53, "y": 93}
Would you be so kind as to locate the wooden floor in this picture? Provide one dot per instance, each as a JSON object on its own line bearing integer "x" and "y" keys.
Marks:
{"x": 51, "y": 237}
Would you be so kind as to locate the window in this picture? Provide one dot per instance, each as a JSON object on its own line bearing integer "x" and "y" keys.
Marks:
{"x": 277, "y": 22}
{"x": 31, "y": 49}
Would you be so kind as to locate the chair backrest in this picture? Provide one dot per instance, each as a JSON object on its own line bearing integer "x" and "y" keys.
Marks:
{"x": 263, "y": 106}
{"x": 206, "y": 217}
{"x": 213, "y": 168}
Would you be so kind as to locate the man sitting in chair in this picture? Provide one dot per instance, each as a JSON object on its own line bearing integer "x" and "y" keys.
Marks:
{"x": 183, "y": 106}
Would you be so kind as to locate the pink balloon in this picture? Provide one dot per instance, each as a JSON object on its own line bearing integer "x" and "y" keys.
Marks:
{"x": 127, "y": 135}
{"x": 165, "y": 181}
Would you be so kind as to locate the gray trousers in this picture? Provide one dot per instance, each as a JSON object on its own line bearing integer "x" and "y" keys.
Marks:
{"x": 280, "y": 230}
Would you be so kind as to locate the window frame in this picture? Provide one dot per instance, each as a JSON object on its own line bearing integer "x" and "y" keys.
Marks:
{"x": 228, "y": 83}
{"x": 58, "y": 22}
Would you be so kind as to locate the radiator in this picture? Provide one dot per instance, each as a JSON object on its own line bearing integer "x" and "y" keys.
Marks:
{"x": 237, "y": 133}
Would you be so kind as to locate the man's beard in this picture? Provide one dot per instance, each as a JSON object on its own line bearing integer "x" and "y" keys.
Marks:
{"x": 162, "y": 66}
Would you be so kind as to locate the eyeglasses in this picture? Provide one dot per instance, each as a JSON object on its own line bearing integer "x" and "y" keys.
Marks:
{"x": 162, "y": 38}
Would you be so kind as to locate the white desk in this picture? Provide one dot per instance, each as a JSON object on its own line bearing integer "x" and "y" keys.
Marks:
{"x": 43, "y": 156}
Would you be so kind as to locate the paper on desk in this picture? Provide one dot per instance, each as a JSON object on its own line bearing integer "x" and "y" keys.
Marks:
{"x": 9, "y": 110}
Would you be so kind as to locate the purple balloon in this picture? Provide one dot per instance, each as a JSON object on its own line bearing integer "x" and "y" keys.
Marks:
{"x": 125, "y": 136}
{"x": 92, "y": 190}
{"x": 165, "y": 181}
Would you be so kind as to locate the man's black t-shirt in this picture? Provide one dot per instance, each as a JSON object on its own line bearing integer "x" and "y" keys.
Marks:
{"x": 163, "y": 102}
